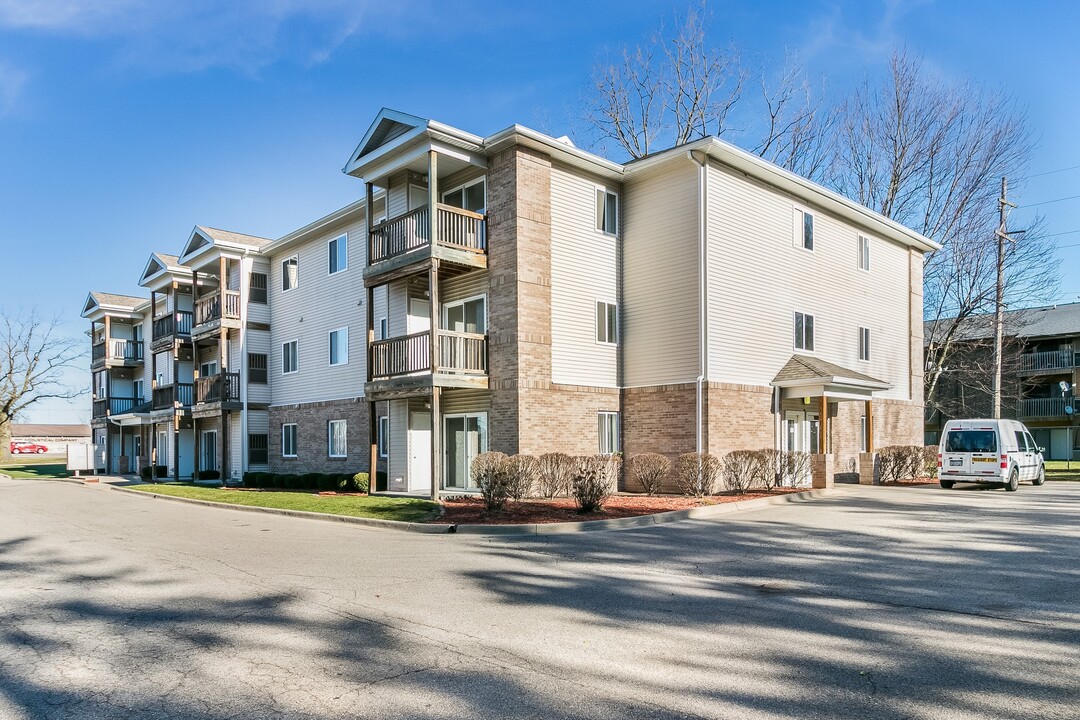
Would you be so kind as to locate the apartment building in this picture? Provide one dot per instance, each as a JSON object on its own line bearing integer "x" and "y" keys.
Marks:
{"x": 1041, "y": 366}
{"x": 516, "y": 293}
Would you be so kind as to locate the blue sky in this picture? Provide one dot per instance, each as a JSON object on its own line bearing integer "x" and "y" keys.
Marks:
{"x": 123, "y": 123}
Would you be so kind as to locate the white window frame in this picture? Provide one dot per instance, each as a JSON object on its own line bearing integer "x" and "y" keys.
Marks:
{"x": 330, "y": 438}
{"x": 344, "y": 240}
{"x": 296, "y": 356}
{"x": 382, "y": 440}
{"x": 795, "y": 339}
{"x": 138, "y": 390}
{"x": 603, "y": 432}
{"x": 456, "y": 303}
{"x": 462, "y": 186}
{"x": 601, "y": 215}
{"x": 864, "y": 343}
{"x": 285, "y": 274}
{"x": 596, "y": 322}
{"x": 384, "y": 328}
{"x": 295, "y": 440}
{"x": 342, "y": 332}
{"x": 482, "y": 424}
{"x": 799, "y": 231}
{"x": 864, "y": 253}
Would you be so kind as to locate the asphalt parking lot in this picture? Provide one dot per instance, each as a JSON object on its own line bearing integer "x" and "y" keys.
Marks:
{"x": 872, "y": 603}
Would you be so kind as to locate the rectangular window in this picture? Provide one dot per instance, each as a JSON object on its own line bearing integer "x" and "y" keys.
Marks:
{"x": 384, "y": 329}
{"x": 608, "y": 423}
{"x": 257, "y": 368}
{"x": 338, "y": 251}
{"x": 469, "y": 316}
{"x": 470, "y": 196}
{"x": 257, "y": 449}
{"x": 290, "y": 360}
{"x": 257, "y": 288}
{"x": 335, "y": 438}
{"x": 339, "y": 346}
{"x": 864, "y": 445}
{"x": 208, "y": 369}
{"x": 864, "y": 343}
{"x": 607, "y": 211}
{"x": 384, "y": 436}
{"x": 607, "y": 322}
{"x": 138, "y": 389}
{"x": 864, "y": 253}
{"x": 804, "y": 331}
{"x": 290, "y": 273}
{"x": 288, "y": 440}
{"x": 807, "y": 230}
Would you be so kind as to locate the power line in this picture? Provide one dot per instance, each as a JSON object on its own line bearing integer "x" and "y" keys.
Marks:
{"x": 1047, "y": 202}
{"x": 1053, "y": 172}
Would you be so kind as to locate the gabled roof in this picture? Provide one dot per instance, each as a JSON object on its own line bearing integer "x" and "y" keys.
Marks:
{"x": 160, "y": 263}
{"x": 393, "y": 130}
{"x": 110, "y": 301}
{"x": 808, "y": 370}
{"x": 203, "y": 237}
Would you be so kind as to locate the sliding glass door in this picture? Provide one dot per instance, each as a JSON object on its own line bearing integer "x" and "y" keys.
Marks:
{"x": 464, "y": 437}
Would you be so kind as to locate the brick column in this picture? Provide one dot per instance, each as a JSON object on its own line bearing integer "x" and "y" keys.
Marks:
{"x": 821, "y": 471}
{"x": 869, "y": 469}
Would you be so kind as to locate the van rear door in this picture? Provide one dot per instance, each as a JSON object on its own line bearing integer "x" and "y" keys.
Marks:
{"x": 970, "y": 451}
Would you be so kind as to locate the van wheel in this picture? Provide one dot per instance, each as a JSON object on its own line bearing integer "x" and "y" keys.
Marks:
{"x": 945, "y": 484}
{"x": 1041, "y": 478}
{"x": 1014, "y": 481}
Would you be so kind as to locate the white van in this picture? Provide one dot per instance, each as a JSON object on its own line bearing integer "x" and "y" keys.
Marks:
{"x": 998, "y": 452}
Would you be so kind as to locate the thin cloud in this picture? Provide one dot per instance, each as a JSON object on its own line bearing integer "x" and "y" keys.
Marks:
{"x": 12, "y": 82}
{"x": 243, "y": 35}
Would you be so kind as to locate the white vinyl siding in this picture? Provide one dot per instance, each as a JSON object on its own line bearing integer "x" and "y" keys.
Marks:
{"x": 583, "y": 268}
{"x": 750, "y": 314}
{"x": 659, "y": 313}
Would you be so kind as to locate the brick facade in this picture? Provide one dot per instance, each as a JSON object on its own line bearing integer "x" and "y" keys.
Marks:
{"x": 312, "y": 447}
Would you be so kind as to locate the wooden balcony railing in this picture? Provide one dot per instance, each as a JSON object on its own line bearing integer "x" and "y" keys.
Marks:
{"x": 178, "y": 323}
{"x": 166, "y": 396}
{"x": 458, "y": 352}
{"x": 115, "y": 349}
{"x": 208, "y": 308}
{"x": 97, "y": 352}
{"x": 458, "y": 228}
{"x": 1041, "y": 408}
{"x": 1049, "y": 360}
{"x": 113, "y": 406}
{"x": 223, "y": 387}
{"x": 100, "y": 409}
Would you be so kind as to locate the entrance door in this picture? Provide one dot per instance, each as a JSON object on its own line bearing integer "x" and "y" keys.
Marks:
{"x": 796, "y": 432}
{"x": 419, "y": 451}
{"x": 464, "y": 437}
{"x": 208, "y": 456}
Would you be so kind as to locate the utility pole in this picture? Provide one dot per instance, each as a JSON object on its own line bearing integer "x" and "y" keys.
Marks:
{"x": 999, "y": 296}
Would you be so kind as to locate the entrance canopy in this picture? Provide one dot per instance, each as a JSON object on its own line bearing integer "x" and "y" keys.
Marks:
{"x": 804, "y": 376}
{"x": 138, "y": 415}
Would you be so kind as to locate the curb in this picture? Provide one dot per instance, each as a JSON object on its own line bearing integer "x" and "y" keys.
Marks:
{"x": 73, "y": 481}
{"x": 566, "y": 528}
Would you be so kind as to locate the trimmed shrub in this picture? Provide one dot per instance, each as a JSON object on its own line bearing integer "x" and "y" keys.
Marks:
{"x": 901, "y": 462}
{"x": 209, "y": 475}
{"x": 161, "y": 471}
{"x": 930, "y": 468}
{"x": 741, "y": 470}
{"x": 766, "y": 473}
{"x": 490, "y": 472}
{"x": 307, "y": 481}
{"x": 696, "y": 473}
{"x": 595, "y": 478}
{"x": 361, "y": 482}
{"x": 146, "y": 472}
{"x": 326, "y": 483}
{"x": 649, "y": 470}
{"x": 555, "y": 474}
{"x": 523, "y": 470}
{"x": 794, "y": 467}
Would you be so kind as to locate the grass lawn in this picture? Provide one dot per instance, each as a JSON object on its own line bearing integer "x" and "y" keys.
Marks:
{"x": 1060, "y": 470}
{"x": 36, "y": 470}
{"x": 384, "y": 508}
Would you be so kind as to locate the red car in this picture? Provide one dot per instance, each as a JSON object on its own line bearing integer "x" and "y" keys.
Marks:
{"x": 25, "y": 448}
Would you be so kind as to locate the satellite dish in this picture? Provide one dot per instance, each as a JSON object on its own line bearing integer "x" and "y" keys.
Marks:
{"x": 1068, "y": 410}
{"x": 1064, "y": 385}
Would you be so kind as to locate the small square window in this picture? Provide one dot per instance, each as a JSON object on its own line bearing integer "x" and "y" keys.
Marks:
{"x": 804, "y": 332}
{"x": 607, "y": 322}
{"x": 290, "y": 360}
{"x": 384, "y": 436}
{"x": 864, "y": 253}
{"x": 864, "y": 343}
{"x": 336, "y": 438}
{"x": 288, "y": 440}
{"x": 290, "y": 273}
{"x": 608, "y": 426}
{"x": 338, "y": 251}
{"x": 607, "y": 211}
{"x": 339, "y": 346}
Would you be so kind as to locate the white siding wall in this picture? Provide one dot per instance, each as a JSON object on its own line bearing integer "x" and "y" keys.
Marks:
{"x": 260, "y": 312}
{"x": 258, "y": 341}
{"x": 659, "y": 312}
{"x": 397, "y": 477}
{"x": 320, "y": 303}
{"x": 758, "y": 278}
{"x": 583, "y": 271}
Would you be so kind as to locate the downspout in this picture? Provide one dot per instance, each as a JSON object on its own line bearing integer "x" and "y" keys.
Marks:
{"x": 703, "y": 257}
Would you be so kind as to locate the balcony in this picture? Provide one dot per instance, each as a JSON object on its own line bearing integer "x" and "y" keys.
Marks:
{"x": 169, "y": 327}
{"x": 1049, "y": 362}
{"x": 402, "y": 366}
{"x": 223, "y": 388}
{"x": 166, "y": 396}
{"x": 402, "y": 245}
{"x": 116, "y": 353}
{"x": 211, "y": 313}
{"x": 1042, "y": 408}
{"x": 113, "y": 406}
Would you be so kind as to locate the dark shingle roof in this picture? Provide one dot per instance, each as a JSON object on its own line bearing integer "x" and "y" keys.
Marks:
{"x": 1045, "y": 321}
{"x": 125, "y": 301}
{"x": 805, "y": 367}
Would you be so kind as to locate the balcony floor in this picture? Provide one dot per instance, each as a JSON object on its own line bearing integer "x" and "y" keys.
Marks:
{"x": 408, "y": 386}
{"x": 419, "y": 260}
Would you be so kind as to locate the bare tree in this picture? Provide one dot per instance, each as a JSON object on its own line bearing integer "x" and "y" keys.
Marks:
{"x": 669, "y": 91}
{"x": 798, "y": 132}
{"x": 33, "y": 358}
{"x": 930, "y": 156}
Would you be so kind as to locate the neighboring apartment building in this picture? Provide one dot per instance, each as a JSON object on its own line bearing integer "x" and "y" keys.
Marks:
{"x": 1042, "y": 351}
{"x": 515, "y": 293}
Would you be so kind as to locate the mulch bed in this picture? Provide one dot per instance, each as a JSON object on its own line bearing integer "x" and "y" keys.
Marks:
{"x": 911, "y": 482}
{"x": 470, "y": 510}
